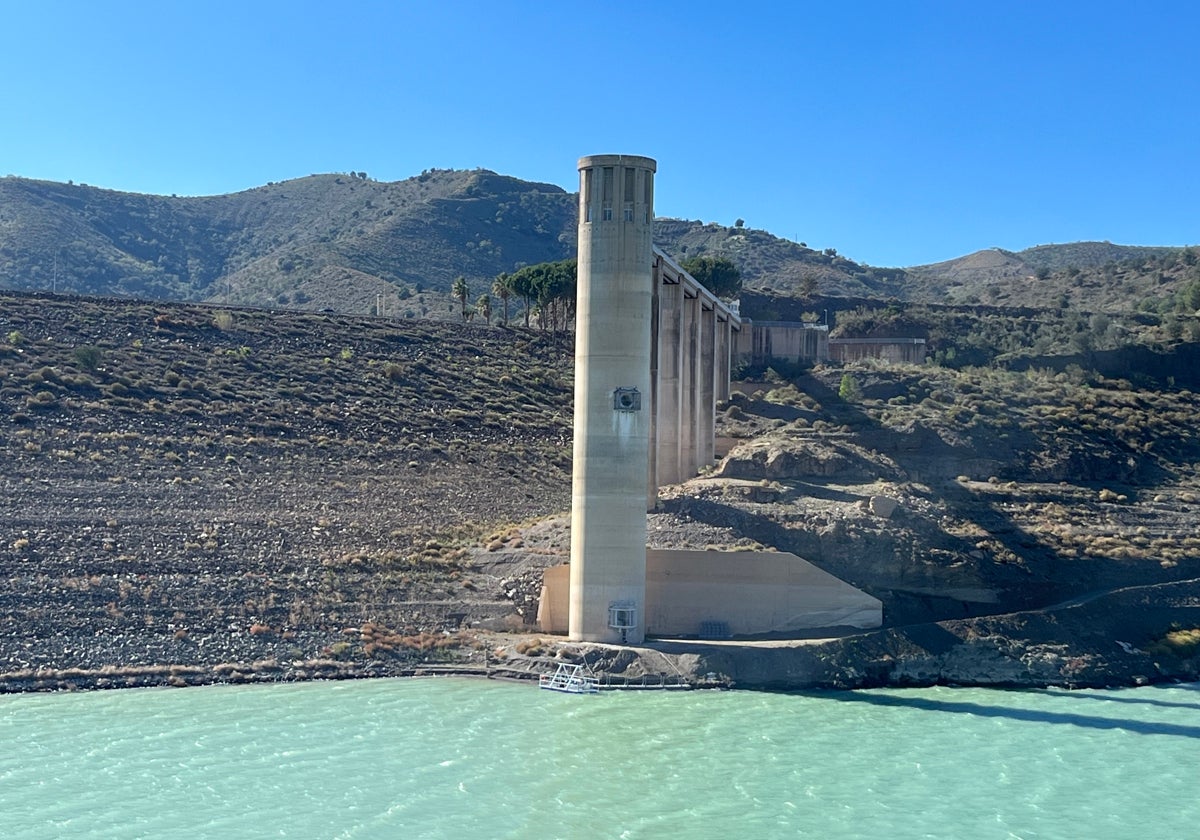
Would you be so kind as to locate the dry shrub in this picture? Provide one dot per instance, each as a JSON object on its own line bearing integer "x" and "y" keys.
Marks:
{"x": 533, "y": 647}
{"x": 378, "y": 639}
{"x": 1181, "y": 643}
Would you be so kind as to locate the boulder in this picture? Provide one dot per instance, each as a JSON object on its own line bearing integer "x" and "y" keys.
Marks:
{"x": 883, "y": 506}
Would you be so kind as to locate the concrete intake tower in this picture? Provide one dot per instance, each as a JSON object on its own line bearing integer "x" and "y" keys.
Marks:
{"x": 612, "y": 399}
{"x": 652, "y": 358}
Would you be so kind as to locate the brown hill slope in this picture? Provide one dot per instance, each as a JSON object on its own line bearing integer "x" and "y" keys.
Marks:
{"x": 1089, "y": 276}
{"x": 344, "y": 242}
{"x": 770, "y": 263}
{"x": 176, "y": 476}
{"x": 339, "y": 241}
{"x": 280, "y": 243}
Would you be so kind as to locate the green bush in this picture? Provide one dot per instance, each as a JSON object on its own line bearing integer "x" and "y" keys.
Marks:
{"x": 848, "y": 390}
{"x": 88, "y": 357}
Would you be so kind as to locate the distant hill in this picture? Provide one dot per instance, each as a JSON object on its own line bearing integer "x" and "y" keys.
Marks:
{"x": 338, "y": 241}
{"x": 331, "y": 241}
{"x": 1097, "y": 276}
{"x": 344, "y": 242}
{"x": 769, "y": 263}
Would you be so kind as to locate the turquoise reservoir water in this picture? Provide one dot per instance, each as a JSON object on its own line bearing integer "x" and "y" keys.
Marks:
{"x": 460, "y": 758}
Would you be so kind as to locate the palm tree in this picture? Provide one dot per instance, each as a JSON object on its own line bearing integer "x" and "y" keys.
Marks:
{"x": 484, "y": 307}
{"x": 502, "y": 288}
{"x": 461, "y": 291}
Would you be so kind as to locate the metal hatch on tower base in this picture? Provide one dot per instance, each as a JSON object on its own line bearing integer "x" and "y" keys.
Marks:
{"x": 622, "y": 615}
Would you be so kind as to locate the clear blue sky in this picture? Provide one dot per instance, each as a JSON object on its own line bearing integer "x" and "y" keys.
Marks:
{"x": 898, "y": 133}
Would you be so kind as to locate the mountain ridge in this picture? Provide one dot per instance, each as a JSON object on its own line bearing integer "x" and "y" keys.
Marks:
{"x": 343, "y": 241}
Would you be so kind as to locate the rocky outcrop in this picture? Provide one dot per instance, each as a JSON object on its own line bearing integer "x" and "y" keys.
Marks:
{"x": 775, "y": 461}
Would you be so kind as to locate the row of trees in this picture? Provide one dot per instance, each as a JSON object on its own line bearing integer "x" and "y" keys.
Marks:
{"x": 547, "y": 290}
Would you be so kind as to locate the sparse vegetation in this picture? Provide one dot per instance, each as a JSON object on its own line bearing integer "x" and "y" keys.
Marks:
{"x": 381, "y": 469}
{"x": 848, "y": 390}
{"x": 720, "y": 275}
{"x": 88, "y": 357}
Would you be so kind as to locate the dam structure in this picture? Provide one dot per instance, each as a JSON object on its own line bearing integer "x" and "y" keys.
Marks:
{"x": 652, "y": 358}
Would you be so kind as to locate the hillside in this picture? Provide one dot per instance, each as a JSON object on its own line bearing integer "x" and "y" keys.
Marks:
{"x": 339, "y": 241}
{"x": 773, "y": 265}
{"x": 326, "y": 241}
{"x": 1089, "y": 276}
{"x": 177, "y": 475}
{"x": 195, "y": 494}
{"x": 347, "y": 243}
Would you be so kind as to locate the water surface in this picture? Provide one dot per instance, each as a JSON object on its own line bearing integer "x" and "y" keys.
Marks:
{"x": 452, "y": 758}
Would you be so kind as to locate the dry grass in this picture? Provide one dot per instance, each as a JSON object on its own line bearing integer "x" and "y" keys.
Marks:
{"x": 1183, "y": 644}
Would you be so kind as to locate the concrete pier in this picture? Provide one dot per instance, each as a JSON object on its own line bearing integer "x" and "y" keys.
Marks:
{"x": 668, "y": 395}
{"x": 693, "y": 339}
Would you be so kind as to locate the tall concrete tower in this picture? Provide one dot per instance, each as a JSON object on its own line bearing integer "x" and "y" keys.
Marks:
{"x": 612, "y": 399}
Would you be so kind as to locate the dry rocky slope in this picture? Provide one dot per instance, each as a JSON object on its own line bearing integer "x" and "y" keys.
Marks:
{"x": 195, "y": 495}
{"x": 196, "y": 487}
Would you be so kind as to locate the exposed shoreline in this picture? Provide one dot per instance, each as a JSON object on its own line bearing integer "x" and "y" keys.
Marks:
{"x": 1067, "y": 647}
{"x": 240, "y": 499}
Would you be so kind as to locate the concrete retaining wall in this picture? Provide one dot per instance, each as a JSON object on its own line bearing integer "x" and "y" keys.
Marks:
{"x": 749, "y": 592}
{"x": 896, "y": 350}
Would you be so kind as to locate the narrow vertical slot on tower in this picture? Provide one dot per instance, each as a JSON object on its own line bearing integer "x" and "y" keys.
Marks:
{"x": 585, "y": 194}
{"x": 628, "y": 194}
{"x": 606, "y": 194}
